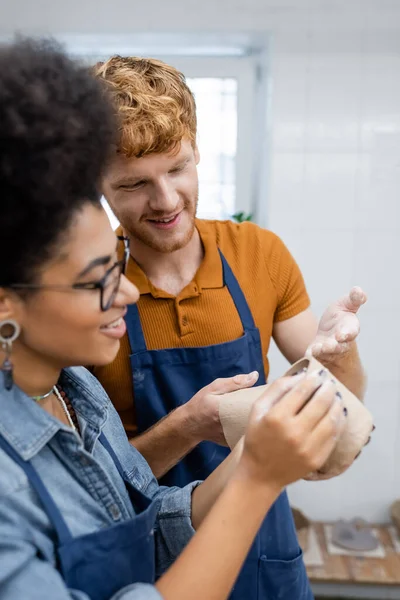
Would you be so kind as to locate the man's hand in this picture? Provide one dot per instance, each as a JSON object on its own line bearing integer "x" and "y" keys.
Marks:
{"x": 173, "y": 437}
{"x": 202, "y": 411}
{"x": 338, "y": 328}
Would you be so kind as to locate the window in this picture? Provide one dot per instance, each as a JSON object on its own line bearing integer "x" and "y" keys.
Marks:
{"x": 216, "y": 101}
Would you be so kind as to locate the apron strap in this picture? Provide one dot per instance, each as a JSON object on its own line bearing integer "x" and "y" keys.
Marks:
{"x": 135, "y": 330}
{"x": 139, "y": 501}
{"x": 53, "y": 513}
{"x": 237, "y": 295}
{"x": 107, "y": 446}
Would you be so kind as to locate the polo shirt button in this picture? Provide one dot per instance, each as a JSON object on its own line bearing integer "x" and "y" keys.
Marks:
{"x": 184, "y": 321}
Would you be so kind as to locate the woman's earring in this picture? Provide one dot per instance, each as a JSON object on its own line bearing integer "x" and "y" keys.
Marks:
{"x": 9, "y": 331}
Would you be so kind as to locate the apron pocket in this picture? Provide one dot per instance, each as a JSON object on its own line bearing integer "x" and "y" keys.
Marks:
{"x": 283, "y": 579}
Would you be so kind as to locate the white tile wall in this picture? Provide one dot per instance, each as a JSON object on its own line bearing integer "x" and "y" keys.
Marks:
{"x": 289, "y": 81}
{"x": 335, "y": 200}
{"x": 315, "y": 189}
{"x": 377, "y": 199}
{"x": 333, "y": 103}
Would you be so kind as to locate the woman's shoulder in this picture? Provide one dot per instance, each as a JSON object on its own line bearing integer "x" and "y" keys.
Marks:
{"x": 81, "y": 377}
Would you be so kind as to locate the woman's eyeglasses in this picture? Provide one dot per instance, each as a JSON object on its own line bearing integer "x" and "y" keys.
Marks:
{"x": 108, "y": 284}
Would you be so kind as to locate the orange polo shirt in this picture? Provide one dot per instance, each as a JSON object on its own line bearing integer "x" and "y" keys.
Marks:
{"x": 203, "y": 313}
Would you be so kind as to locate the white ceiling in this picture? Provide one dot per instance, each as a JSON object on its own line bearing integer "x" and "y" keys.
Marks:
{"x": 124, "y": 16}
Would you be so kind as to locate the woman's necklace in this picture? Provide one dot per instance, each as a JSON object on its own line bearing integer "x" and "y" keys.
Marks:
{"x": 64, "y": 407}
{"x": 39, "y": 398}
{"x": 57, "y": 394}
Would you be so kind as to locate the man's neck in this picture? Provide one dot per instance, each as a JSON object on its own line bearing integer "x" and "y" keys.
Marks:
{"x": 170, "y": 271}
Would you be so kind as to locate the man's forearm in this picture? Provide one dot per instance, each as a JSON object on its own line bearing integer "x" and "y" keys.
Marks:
{"x": 349, "y": 371}
{"x": 167, "y": 442}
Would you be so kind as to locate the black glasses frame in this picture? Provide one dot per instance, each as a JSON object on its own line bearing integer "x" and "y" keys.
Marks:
{"x": 101, "y": 285}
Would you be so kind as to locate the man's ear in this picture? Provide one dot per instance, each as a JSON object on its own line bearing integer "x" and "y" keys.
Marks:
{"x": 196, "y": 154}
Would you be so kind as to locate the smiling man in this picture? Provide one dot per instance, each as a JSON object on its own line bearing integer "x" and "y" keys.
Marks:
{"x": 212, "y": 295}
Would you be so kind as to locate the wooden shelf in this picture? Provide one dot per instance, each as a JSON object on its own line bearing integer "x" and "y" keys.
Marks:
{"x": 357, "y": 570}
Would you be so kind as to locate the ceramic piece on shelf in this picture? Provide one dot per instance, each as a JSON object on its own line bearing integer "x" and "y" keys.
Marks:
{"x": 354, "y": 535}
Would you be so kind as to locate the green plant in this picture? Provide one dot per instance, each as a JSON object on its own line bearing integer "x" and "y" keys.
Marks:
{"x": 239, "y": 217}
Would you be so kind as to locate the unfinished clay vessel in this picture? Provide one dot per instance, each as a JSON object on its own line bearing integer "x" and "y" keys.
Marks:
{"x": 235, "y": 407}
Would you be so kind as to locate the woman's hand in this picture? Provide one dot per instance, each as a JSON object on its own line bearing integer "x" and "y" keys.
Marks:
{"x": 292, "y": 430}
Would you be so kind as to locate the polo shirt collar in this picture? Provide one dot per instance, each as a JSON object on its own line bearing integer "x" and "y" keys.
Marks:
{"x": 209, "y": 275}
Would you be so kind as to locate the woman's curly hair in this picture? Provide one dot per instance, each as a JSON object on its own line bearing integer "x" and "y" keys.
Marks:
{"x": 154, "y": 105}
{"x": 57, "y": 132}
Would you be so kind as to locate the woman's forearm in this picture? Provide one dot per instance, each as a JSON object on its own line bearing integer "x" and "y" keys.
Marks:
{"x": 206, "y": 494}
{"x": 210, "y": 564}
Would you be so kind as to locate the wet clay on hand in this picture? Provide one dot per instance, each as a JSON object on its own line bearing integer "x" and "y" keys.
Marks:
{"x": 235, "y": 407}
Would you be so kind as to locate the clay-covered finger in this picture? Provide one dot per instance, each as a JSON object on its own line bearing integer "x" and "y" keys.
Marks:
{"x": 301, "y": 393}
{"x": 277, "y": 391}
{"x": 319, "y": 405}
{"x": 323, "y": 438}
{"x": 224, "y": 385}
{"x": 355, "y": 299}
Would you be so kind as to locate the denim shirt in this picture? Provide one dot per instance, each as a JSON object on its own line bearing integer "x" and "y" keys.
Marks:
{"x": 81, "y": 477}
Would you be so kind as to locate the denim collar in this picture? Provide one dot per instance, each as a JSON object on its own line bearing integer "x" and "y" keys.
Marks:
{"x": 28, "y": 428}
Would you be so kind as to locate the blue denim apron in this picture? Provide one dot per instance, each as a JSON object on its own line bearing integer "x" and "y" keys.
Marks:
{"x": 100, "y": 563}
{"x": 166, "y": 379}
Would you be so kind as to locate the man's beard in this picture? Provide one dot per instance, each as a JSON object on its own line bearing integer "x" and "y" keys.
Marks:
{"x": 165, "y": 246}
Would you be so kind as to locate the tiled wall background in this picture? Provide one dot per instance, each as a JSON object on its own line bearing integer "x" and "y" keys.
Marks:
{"x": 334, "y": 199}
{"x": 334, "y": 175}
